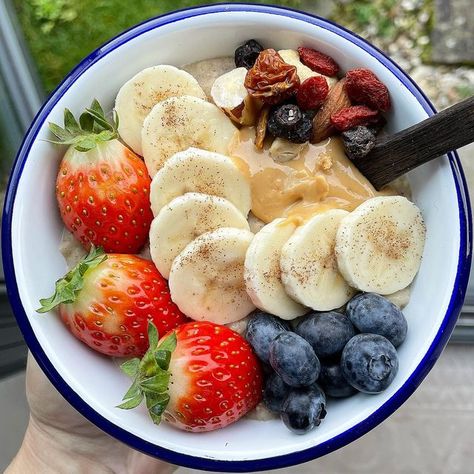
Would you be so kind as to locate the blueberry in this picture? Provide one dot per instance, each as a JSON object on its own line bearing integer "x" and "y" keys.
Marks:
{"x": 262, "y": 328}
{"x": 369, "y": 362}
{"x": 358, "y": 141}
{"x": 288, "y": 122}
{"x": 294, "y": 360}
{"x": 275, "y": 392}
{"x": 327, "y": 333}
{"x": 304, "y": 408}
{"x": 246, "y": 54}
{"x": 375, "y": 314}
{"x": 333, "y": 382}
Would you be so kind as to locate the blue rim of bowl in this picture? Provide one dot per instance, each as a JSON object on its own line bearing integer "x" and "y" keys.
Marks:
{"x": 435, "y": 349}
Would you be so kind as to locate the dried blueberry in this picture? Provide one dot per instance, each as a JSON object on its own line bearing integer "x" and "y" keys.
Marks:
{"x": 375, "y": 314}
{"x": 246, "y": 55}
{"x": 333, "y": 382}
{"x": 275, "y": 393}
{"x": 327, "y": 333}
{"x": 358, "y": 141}
{"x": 369, "y": 362}
{"x": 294, "y": 360}
{"x": 288, "y": 121}
{"x": 262, "y": 328}
{"x": 304, "y": 408}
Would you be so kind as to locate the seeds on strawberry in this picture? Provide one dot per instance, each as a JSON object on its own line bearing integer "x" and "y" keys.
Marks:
{"x": 106, "y": 301}
{"x": 318, "y": 62}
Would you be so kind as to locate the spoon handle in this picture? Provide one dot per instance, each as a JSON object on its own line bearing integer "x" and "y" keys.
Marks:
{"x": 394, "y": 155}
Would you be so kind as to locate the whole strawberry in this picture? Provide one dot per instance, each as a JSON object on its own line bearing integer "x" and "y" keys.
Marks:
{"x": 200, "y": 377}
{"x": 106, "y": 301}
{"x": 102, "y": 187}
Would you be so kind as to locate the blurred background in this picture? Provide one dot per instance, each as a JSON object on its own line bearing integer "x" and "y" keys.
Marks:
{"x": 433, "y": 40}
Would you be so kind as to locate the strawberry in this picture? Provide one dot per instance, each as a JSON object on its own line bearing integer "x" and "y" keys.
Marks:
{"x": 106, "y": 301}
{"x": 199, "y": 377}
{"x": 102, "y": 187}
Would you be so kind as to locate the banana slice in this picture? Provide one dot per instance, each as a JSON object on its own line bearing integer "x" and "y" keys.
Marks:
{"x": 229, "y": 93}
{"x": 380, "y": 244}
{"x": 308, "y": 264}
{"x": 178, "y": 123}
{"x": 262, "y": 271}
{"x": 137, "y": 97}
{"x": 185, "y": 218}
{"x": 291, "y": 56}
{"x": 195, "y": 170}
{"x": 207, "y": 277}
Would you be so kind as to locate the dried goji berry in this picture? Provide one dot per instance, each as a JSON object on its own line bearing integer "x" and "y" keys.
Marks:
{"x": 352, "y": 116}
{"x": 271, "y": 79}
{"x": 364, "y": 87}
{"x": 312, "y": 92}
{"x": 318, "y": 62}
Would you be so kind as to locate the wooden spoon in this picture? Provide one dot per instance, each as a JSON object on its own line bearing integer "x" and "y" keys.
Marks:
{"x": 394, "y": 155}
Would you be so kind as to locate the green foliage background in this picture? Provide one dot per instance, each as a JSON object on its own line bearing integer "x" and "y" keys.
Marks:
{"x": 62, "y": 32}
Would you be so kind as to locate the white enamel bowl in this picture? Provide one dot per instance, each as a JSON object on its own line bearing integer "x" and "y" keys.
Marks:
{"x": 32, "y": 231}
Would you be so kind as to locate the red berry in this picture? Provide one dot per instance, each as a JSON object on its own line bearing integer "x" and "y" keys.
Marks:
{"x": 118, "y": 296}
{"x": 318, "y": 62}
{"x": 364, "y": 87}
{"x": 213, "y": 377}
{"x": 312, "y": 93}
{"x": 350, "y": 117}
{"x": 104, "y": 197}
{"x": 102, "y": 187}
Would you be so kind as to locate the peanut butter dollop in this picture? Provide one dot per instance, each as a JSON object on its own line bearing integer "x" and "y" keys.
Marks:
{"x": 321, "y": 178}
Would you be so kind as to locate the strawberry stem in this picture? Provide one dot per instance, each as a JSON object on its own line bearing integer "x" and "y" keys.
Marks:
{"x": 68, "y": 287}
{"x": 92, "y": 128}
{"x": 151, "y": 375}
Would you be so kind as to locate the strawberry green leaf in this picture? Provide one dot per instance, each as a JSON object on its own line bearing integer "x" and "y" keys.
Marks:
{"x": 132, "y": 402}
{"x": 163, "y": 358}
{"x": 151, "y": 376}
{"x": 133, "y": 391}
{"x": 70, "y": 123}
{"x": 168, "y": 343}
{"x": 153, "y": 335}
{"x": 87, "y": 122}
{"x": 59, "y": 132}
{"x": 156, "y": 405}
{"x": 130, "y": 367}
{"x": 156, "y": 384}
{"x": 68, "y": 287}
{"x": 92, "y": 128}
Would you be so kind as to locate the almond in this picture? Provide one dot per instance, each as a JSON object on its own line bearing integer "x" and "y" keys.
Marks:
{"x": 336, "y": 100}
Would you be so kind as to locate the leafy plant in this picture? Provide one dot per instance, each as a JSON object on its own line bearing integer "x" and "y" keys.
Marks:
{"x": 50, "y": 12}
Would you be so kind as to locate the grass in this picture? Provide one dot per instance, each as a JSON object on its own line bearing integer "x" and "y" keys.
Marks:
{"x": 62, "y": 32}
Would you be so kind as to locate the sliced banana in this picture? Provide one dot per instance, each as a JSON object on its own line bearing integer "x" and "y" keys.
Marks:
{"x": 380, "y": 244}
{"x": 229, "y": 93}
{"x": 201, "y": 171}
{"x": 228, "y": 90}
{"x": 308, "y": 264}
{"x": 178, "y": 123}
{"x": 207, "y": 277}
{"x": 262, "y": 271}
{"x": 137, "y": 97}
{"x": 291, "y": 56}
{"x": 185, "y": 218}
